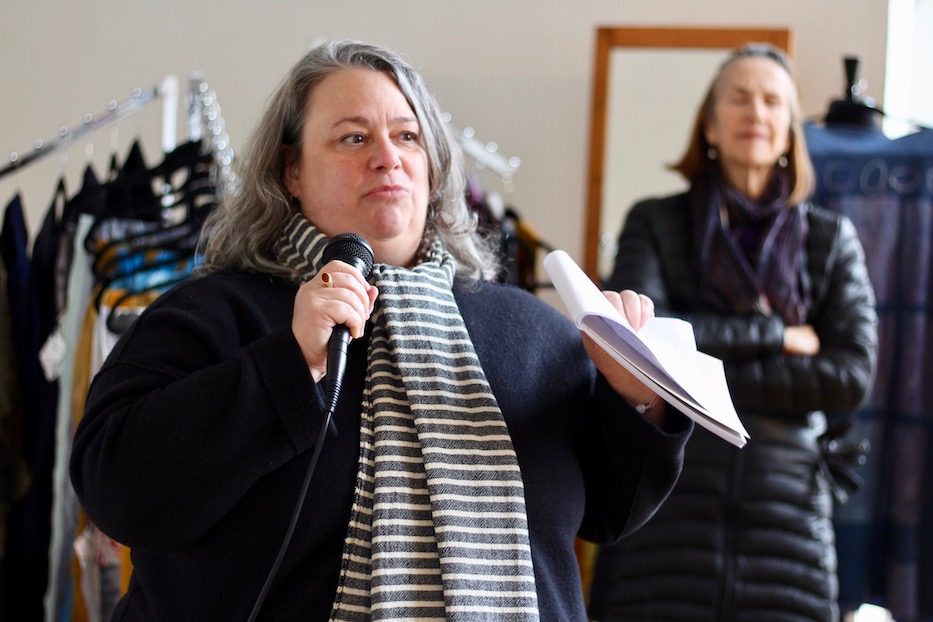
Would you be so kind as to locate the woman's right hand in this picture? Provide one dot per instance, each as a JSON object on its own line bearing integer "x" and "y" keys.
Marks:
{"x": 801, "y": 340}
{"x": 348, "y": 299}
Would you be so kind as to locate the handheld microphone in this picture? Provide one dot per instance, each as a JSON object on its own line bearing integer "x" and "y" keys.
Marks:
{"x": 354, "y": 250}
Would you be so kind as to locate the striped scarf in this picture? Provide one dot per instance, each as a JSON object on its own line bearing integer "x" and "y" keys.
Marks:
{"x": 438, "y": 529}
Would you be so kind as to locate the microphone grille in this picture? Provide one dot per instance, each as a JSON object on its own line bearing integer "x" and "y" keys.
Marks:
{"x": 350, "y": 248}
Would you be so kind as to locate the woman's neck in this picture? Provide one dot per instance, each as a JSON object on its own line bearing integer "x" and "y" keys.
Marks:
{"x": 752, "y": 182}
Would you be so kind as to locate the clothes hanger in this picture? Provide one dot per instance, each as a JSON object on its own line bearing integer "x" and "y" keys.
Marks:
{"x": 131, "y": 194}
{"x": 122, "y": 256}
{"x": 165, "y": 250}
{"x": 145, "y": 280}
{"x": 121, "y": 315}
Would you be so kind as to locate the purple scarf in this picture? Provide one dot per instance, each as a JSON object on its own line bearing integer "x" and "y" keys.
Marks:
{"x": 752, "y": 251}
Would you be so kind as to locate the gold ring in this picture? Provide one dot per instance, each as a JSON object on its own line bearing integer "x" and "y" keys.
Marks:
{"x": 327, "y": 279}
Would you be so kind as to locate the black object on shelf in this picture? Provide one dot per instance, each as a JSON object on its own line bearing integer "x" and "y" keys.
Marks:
{"x": 854, "y": 109}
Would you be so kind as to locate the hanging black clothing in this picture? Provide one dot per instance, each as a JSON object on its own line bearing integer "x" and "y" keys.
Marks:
{"x": 26, "y": 559}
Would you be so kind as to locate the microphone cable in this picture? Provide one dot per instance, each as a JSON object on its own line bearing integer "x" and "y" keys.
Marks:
{"x": 294, "y": 520}
{"x": 355, "y": 251}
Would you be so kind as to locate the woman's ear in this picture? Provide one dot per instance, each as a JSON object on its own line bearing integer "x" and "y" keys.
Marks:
{"x": 290, "y": 173}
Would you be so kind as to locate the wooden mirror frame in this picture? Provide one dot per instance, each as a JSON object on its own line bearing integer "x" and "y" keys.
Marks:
{"x": 609, "y": 38}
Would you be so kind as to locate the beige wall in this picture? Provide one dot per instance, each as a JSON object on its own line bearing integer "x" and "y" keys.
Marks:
{"x": 518, "y": 71}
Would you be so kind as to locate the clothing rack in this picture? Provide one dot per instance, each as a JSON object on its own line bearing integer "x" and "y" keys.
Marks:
{"x": 166, "y": 91}
{"x": 204, "y": 114}
{"x": 485, "y": 155}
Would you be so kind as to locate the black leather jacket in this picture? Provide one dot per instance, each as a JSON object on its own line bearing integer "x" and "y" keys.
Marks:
{"x": 747, "y": 533}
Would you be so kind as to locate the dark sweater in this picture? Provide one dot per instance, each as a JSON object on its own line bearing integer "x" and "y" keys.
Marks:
{"x": 199, "y": 428}
{"x": 747, "y": 533}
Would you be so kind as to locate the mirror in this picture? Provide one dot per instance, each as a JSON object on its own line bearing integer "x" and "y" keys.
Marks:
{"x": 647, "y": 87}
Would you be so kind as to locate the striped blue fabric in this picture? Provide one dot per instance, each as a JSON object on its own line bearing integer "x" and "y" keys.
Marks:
{"x": 438, "y": 530}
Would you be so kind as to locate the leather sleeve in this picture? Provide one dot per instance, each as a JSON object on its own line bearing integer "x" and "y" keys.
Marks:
{"x": 838, "y": 378}
{"x": 657, "y": 257}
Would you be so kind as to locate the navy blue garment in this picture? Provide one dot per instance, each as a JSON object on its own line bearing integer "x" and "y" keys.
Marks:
{"x": 14, "y": 243}
{"x": 26, "y": 560}
{"x": 885, "y": 531}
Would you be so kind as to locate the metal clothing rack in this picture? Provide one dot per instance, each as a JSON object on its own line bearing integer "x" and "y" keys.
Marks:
{"x": 203, "y": 116}
{"x": 485, "y": 155}
{"x": 166, "y": 91}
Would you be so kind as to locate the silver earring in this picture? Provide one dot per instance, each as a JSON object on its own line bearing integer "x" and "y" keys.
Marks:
{"x": 782, "y": 161}
{"x": 712, "y": 153}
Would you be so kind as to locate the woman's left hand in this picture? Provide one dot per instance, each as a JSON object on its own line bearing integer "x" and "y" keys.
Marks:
{"x": 637, "y": 309}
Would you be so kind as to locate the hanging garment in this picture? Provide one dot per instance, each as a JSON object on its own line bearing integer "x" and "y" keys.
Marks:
{"x": 179, "y": 191}
{"x": 519, "y": 246}
{"x": 885, "y": 531}
{"x": 101, "y": 566}
{"x": 133, "y": 245}
{"x": 65, "y": 504}
{"x": 14, "y": 476}
{"x": 28, "y": 520}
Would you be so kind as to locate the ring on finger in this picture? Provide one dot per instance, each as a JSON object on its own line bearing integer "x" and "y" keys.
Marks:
{"x": 327, "y": 280}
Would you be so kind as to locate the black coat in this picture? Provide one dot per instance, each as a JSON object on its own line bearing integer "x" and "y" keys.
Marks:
{"x": 747, "y": 533}
{"x": 198, "y": 430}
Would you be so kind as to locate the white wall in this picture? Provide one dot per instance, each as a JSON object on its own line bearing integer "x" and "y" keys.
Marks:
{"x": 518, "y": 71}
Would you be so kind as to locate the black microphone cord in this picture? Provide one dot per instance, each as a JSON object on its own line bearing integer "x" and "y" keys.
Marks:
{"x": 352, "y": 249}
{"x": 294, "y": 521}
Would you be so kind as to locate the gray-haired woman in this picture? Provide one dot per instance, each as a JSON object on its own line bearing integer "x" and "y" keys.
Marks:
{"x": 473, "y": 438}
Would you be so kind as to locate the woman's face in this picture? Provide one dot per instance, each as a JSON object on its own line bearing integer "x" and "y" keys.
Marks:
{"x": 750, "y": 124}
{"x": 362, "y": 167}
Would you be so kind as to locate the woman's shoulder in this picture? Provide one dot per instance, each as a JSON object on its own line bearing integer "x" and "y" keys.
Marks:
{"x": 234, "y": 290}
{"x": 670, "y": 201}
{"x": 666, "y": 217}
{"x": 660, "y": 211}
{"x": 506, "y": 302}
{"x": 493, "y": 294}
{"x": 232, "y": 282}
{"x": 503, "y": 318}
{"x": 223, "y": 307}
{"x": 820, "y": 213}
{"x": 828, "y": 224}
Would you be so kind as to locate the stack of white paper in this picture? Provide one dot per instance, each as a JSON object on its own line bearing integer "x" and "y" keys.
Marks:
{"x": 662, "y": 354}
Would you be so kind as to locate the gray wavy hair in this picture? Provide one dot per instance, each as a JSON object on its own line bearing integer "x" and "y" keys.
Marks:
{"x": 242, "y": 230}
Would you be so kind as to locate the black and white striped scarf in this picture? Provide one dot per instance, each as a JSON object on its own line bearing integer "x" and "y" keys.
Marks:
{"x": 438, "y": 529}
